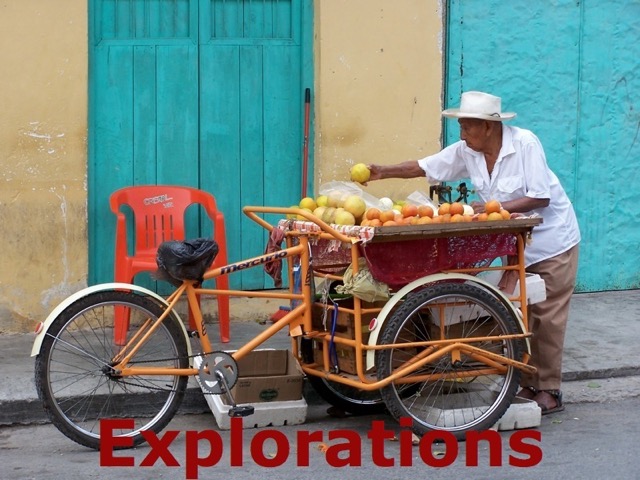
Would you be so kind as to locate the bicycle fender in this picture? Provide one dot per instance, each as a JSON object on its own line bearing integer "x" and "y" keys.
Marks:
{"x": 37, "y": 344}
{"x": 404, "y": 291}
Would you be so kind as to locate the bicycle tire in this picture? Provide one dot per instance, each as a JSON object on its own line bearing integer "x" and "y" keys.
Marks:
{"x": 348, "y": 399}
{"x": 78, "y": 389}
{"x": 455, "y": 399}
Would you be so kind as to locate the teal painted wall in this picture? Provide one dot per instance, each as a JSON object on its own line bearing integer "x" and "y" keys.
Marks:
{"x": 570, "y": 71}
{"x": 204, "y": 93}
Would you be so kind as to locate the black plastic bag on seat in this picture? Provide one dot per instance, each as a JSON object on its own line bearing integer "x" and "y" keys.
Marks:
{"x": 186, "y": 260}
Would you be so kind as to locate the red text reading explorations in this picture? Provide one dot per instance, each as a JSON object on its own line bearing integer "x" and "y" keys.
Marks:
{"x": 345, "y": 447}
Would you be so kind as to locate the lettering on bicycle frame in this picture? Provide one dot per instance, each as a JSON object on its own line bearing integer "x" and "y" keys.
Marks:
{"x": 234, "y": 267}
{"x": 165, "y": 200}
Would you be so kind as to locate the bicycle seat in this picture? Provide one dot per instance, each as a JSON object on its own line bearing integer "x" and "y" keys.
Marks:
{"x": 185, "y": 260}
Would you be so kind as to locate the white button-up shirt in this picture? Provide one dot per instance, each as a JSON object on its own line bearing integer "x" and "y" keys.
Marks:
{"x": 521, "y": 170}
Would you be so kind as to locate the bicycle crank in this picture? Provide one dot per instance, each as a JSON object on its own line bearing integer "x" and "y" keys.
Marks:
{"x": 218, "y": 373}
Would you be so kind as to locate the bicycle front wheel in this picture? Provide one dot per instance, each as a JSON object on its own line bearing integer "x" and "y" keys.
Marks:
{"x": 460, "y": 390}
{"x": 77, "y": 385}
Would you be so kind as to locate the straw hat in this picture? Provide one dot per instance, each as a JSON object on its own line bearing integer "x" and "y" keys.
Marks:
{"x": 479, "y": 105}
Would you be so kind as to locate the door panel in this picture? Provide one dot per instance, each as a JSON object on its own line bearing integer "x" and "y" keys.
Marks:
{"x": 568, "y": 73}
{"x": 202, "y": 93}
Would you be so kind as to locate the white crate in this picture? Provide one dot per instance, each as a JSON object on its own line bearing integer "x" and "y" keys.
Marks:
{"x": 267, "y": 414}
{"x": 522, "y": 413}
{"x": 536, "y": 291}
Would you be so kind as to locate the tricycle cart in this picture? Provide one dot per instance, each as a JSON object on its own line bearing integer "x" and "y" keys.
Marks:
{"x": 446, "y": 349}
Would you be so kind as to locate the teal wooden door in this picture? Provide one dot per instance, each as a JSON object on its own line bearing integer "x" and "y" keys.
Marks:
{"x": 569, "y": 70}
{"x": 201, "y": 93}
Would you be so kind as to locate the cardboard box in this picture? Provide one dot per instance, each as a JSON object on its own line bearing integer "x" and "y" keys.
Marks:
{"x": 345, "y": 324}
{"x": 266, "y": 414}
{"x": 268, "y": 376}
{"x": 346, "y": 357}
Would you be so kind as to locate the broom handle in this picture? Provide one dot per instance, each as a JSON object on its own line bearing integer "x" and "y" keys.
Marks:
{"x": 305, "y": 145}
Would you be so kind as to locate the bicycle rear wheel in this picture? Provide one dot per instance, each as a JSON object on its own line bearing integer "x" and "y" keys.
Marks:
{"x": 457, "y": 391}
{"x": 76, "y": 384}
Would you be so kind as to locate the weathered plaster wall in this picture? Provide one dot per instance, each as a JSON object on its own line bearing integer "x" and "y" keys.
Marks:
{"x": 378, "y": 67}
{"x": 378, "y": 70}
{"x": 43, "y": 156}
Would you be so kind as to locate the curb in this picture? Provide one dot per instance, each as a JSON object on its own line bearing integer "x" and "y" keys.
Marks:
{"x": 30, "y": 411}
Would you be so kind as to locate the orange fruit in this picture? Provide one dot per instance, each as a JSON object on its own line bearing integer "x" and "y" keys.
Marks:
{"x": 409, "y": 210}
{"x": 457, "y": 218}
{"x": 375, "y": 222}
{"x": 456, "y": 208}
{"x": 407, "y": 220}
{"x": 372, "y": 213}
{"x": 414, "y": 220}
{"x": 365, "y": 223}
{"x": 425, "y": 211}
{"x": 492, "y": 206}
{"x": 483, "y": 217}
{"x": 446, "y": 218}
{"x": 443, "y": 209}
{"x": 468, "y": 218}
{"x": 389, "y": 223}
{"x": 398, "y": 218}
{"x": 425, "y": 220}
{"x": 505, "y": 214}
{"x": 494, "y": 216}
{"x": 387, "y": 215}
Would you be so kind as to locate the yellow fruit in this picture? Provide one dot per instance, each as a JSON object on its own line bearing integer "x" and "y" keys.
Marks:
{"x": 495, "y": 216}
{"x": 333, "y": 199}
{"x": 360, "y": 173}
{"x": 318, "y": 212}
{"x": 322, "y": 201}
{"x": 505, "y": 214}
{"x": 355, "y": 205}
{"x": 329, "y": 215}
{"x": 345, "y": 217}
{"x": 308, "y": 202}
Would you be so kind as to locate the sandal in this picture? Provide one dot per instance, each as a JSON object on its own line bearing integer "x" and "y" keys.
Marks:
{"x": 527, "y": 393}
{"x": 546, "y": 409}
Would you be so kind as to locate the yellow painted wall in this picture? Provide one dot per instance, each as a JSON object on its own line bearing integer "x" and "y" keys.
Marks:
{"x": 43, "y": 157}
{"x": 378, "y": 67}
{"x": 377, "y": 99}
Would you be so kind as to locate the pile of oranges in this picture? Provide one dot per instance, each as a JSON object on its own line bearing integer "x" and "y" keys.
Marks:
{"x": 423, "y": 214}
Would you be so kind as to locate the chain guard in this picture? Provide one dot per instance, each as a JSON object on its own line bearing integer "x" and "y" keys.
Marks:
{"x": 214, "y": 364}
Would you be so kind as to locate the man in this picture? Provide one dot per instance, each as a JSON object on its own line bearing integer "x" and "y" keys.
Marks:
{"x": 508, "y": 164}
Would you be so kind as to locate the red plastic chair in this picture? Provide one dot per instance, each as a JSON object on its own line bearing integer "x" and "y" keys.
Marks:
{"x": 159, "y": 215}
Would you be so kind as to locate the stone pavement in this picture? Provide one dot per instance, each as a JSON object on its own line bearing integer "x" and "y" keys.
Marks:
{"x": 601, "y": 359}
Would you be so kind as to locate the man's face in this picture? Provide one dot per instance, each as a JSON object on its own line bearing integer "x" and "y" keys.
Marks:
{"x": 474, "y": 132}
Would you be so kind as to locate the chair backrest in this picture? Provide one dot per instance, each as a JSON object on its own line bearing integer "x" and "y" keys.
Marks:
{"x": 159, "y": 214}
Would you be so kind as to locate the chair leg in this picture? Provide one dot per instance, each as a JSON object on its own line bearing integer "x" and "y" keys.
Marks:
{"x": 121, "y": 314}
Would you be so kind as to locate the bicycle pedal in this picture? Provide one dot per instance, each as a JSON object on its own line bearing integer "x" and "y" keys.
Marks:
{"x": 241, "y": 411}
